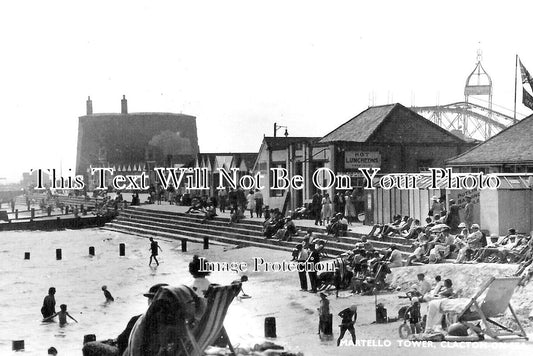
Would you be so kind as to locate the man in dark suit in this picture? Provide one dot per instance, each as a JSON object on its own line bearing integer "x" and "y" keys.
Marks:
{"x": 312, "y": 260}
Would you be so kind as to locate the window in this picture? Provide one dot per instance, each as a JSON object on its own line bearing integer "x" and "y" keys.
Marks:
{"x": 358, "y": 182}
{"x": 478, "y": 170}
{"x": 424, "y": 165}
{"x": 262, "y": 166}
{"x": 508, "y": 169}
{"x": 102, "y": 154}
{"x": 276, "y": 192}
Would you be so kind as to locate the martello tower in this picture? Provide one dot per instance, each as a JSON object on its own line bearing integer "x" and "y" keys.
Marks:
{"x": 139, "y": 140}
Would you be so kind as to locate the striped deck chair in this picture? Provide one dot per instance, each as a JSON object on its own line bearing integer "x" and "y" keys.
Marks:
{"x": 341, "y": 264}
{"x": 210, "y": 328}
{"x": 492, "y": 300}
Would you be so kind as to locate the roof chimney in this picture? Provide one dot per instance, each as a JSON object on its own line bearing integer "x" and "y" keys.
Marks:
{"x": 89, "y": 106}
{"x": 124, "y": 105}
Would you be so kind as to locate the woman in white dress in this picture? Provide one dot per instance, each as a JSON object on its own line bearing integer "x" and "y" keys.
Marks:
{"x": 326, "y": 209}
{"x": 250, "y": 203}
{"x": 349, "y": 208}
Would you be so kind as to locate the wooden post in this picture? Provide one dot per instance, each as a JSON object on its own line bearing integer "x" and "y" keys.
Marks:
{"x": 18, "y": 345}
{"x": 270, "y": 327}
{"x": 88, "y": 338}
{"x": 58, "y": 254}
{"x": 122, "y": 249}
{"x": 26, "y": 255}
{"x": 91, "y": 250}
{"x": 326, "y": 325}
{"x": 183, "y": 245}
{"x": 206, "y": 243}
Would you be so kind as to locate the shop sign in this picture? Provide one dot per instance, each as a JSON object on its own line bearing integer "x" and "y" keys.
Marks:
{"x": 362, "y": 159}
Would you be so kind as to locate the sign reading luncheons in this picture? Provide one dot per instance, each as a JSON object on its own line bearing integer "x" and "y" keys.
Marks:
{"x": 361, "y": 159}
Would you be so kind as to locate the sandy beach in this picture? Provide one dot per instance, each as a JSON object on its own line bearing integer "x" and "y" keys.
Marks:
{"x": 79, "y": 277}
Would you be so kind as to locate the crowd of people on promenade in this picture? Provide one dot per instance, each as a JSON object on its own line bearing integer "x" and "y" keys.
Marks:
{"x": 324, "y": 208}
{"x": 443, "y": 236}
{"x": 361, "y": 270}
{"x": 435, "y": 243}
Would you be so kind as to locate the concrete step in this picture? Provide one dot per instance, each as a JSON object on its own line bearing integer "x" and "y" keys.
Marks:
{"x": 198, "y": 237}
{"x": 170, "y": 224}
{"x": 173, "y": 221}
{"x": 192, "y": 222}
{"x": 188, "y": 220}
{"x": 177, "y": 225}
{"x": 333, "y": 247}
{"x": 233, "y": 231}
{"x": 151, "y": 233}
{"x": 258, "y": 226}
{"x": 254, "y": 225}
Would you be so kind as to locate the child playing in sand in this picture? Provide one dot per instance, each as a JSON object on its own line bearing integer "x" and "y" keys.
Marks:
{"x": 412, "y": 314}
{"x": 62, "y": 314}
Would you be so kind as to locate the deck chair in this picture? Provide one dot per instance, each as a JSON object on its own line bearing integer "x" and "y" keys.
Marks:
{"x": 165, "y": 327}
{"x": 492, "y": 299}
{"x": 210, "y": 329}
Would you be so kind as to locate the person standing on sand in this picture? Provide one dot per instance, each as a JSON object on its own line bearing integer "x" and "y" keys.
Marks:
{"x": 107, "y": 294}
{"x": 469, "y": 212}
{"x": 49, "y": 303}
{"x": 312, "y": 260}
{"x": 323, "y": 310}
{"x": 154, "y": 246}
{"x": 347, "y": 322}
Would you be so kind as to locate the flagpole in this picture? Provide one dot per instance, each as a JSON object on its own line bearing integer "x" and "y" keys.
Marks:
{"x": 515, "y": 73}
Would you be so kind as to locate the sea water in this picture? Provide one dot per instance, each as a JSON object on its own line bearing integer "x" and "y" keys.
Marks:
{"x": 78, "y": 279}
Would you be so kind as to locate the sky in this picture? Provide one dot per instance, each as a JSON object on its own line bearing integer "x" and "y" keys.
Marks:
{"x": 240, "y": 66}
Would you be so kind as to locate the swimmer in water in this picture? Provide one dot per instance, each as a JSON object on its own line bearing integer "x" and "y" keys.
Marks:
{"x": 62, "y": 314}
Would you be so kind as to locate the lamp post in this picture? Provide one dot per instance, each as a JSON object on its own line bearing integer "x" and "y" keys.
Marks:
{"x": 277, "y": 127}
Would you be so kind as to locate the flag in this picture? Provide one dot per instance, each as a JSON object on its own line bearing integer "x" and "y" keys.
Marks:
{"x": 526, "y": 77}
{"x": 527, "y": 99}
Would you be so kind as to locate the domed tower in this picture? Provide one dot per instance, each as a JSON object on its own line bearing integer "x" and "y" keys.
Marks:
{"x": 479, "y": 83}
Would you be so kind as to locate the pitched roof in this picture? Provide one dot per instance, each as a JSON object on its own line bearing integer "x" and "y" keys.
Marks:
{"x": 278, "y": 143}
{"x": 248, "y": 158}
{"x": 512, "y": 145}
{"x": 228, "y": 159}
{"x": 367, "y": 126}
{"x": 361, "y": 127}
